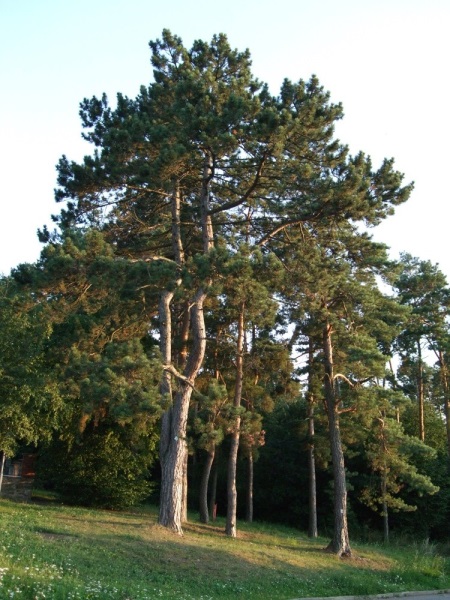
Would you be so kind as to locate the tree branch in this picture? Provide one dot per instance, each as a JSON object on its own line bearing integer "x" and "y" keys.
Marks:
{"x": 247, "y": 194}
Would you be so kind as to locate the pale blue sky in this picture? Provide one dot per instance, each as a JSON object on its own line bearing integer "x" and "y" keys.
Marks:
{"x": 387, "y": 61}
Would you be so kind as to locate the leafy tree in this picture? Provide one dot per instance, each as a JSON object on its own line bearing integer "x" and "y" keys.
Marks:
{"x": 105, "y": 467}
{"x": 30, "y": 402}
{"x": 165, "y": 160}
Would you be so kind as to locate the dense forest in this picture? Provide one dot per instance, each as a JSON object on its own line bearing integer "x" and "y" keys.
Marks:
{"x": 211, "y": 324}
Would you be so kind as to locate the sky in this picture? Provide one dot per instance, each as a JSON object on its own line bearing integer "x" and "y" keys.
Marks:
{"x": 386, "y": 61}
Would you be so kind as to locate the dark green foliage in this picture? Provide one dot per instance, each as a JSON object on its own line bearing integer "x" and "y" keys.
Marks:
{"x": 432, "y": 518}
{"x": 30, "y": 403}
{"x": 102, "y": 356}
{"x": 281, "y": 473}
{"x": 102, "y": 468}
{"x": 104, "y": 365}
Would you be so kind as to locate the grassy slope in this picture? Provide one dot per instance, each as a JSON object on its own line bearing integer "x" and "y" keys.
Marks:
{"x": 59, "y": 552}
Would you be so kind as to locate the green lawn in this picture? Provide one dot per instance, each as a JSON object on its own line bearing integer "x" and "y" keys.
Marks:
{"x": 59, "y": 552}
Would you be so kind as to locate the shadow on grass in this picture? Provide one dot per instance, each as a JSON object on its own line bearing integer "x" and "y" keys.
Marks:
{"x": 130, "y": 549}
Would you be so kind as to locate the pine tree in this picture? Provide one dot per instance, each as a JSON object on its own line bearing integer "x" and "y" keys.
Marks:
{"x": 389, "y": 451}
{"x": 335, "y": 297}
{"x": 423, "y": 288}
{"x": 202, "y": 155}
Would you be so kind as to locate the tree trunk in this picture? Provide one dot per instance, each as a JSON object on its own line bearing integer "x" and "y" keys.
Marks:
{"x": 420, "y": 393}
{"x": 446, "y": 389}
{"x": 172, "y": 464}
{"x": 174, "y": 451}
{"x": 447, "y": 419}
{"x": 213, "y": 488}
{"x": 230, "y": 528}
{"x": 169, "y": 513}
{"x": 2, "y": 468}
{"x": 204, "y": 513}
{"x": 385, "y": 510}
{"x": 312, "y": 517}
{"x": 173, "y": 447}
{"x": 340, "y": 544}
{"x": 184, "y": 507}
{"x": 183, "y": 354}
{"x": 249, "y": 503}
{"x": 165, "y": 328}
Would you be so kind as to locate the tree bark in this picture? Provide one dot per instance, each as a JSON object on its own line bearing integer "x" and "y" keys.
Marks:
{"x": 249, "y": 503}
{"x": 175, "y": 450}
{"x": 446, "y": 389}
{"x": 420, "y": 393}
{"x": 230, "y": 528}
{"x": 173, "y": 447}
{"x": 204, "y": 512}
{"x": 312, "y": 517}
{"x": 165, "y": 328}
{"x": 213, "y": 488}
{"x": 172, "y": 464}
{"x": 184, "y": 500}
{"x": 340, "y": 544}
{"x": 385, "y": 510}
{"x": 172, "y": 444}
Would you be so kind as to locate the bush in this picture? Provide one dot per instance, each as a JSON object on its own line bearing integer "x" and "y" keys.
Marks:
{"x": 103, "y": 469}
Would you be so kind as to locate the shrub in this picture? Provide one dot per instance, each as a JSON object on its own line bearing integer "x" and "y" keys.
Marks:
{"x": 102, "y": 469}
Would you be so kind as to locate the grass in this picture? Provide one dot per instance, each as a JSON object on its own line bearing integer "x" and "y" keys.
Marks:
{"x": 66, "y": 553}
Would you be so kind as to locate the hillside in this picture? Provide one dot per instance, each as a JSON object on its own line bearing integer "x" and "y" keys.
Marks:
{"x": 59, "y": 552}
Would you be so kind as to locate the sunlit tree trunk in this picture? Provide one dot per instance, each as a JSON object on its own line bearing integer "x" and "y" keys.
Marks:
{"x": 174, "y": 446}
{"x": 230, "y": 528}
{"x": 340, "y": 544}
{"x": 175, "y": 449}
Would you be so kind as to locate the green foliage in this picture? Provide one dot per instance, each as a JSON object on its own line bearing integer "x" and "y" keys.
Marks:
{"x": 281, "y": 490}
{"x": 211, "y": 419}
{"x": 395, "y": 456}
{"x": 104, "y": 365}
{"x": 121, "y": 383}
{"x": 102, "y": 357}
{"x": 29, "y": 400}
{"x": 423, "y": 288}
{"x": 103, "y": 468}
{"x": 206, "y": 186}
